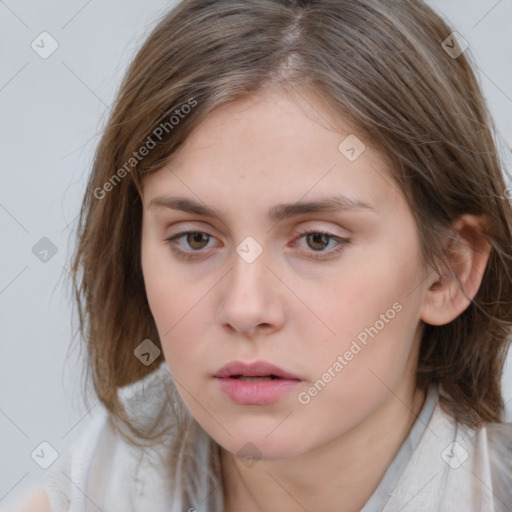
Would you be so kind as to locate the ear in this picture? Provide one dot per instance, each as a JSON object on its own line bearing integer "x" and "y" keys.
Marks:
{"x": 466, "y": 256}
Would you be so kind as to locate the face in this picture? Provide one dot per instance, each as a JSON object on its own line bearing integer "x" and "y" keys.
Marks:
{"x": 329, "y": 293}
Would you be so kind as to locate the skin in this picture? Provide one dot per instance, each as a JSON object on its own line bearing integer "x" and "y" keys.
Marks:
{"x": 288, "y": 308}
{"x": 35, "y": 500}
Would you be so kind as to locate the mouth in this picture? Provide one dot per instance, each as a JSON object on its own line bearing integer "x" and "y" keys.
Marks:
{"x": 254, "y": 379}
{"x": 260, "y": 370}
{"x": 259, "y": 383}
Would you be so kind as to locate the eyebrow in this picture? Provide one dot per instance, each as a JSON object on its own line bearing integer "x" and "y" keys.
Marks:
{"x": 276, "y": 214}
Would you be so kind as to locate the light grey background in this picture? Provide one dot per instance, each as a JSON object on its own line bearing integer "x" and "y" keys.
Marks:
{"x": 51, "y": 115}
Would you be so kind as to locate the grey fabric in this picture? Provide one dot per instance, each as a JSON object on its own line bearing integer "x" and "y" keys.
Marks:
{"x": 388, "y": 483}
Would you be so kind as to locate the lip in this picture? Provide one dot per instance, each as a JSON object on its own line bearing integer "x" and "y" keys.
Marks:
{"x": 256, "y": 369}
{"x": 262, "y": 392}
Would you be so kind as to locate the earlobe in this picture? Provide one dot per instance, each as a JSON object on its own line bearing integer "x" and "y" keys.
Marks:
{"x": 462, "y": 268}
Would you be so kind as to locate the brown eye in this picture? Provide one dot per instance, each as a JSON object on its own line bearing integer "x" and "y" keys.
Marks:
{"x": 317, "y": 241}
{"x": 197, "y": 240}
{"x": 189, "y": 244}
{"x": 319, "y": 245}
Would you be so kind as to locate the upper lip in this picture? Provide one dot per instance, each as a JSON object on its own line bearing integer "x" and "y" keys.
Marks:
{"x": 256, "y": 369}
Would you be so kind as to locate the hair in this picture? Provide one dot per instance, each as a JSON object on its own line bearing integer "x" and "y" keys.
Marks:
{"x": 378, "y": 64}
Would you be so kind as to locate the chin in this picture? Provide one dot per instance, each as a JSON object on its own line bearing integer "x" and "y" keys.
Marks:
{"x": 257, "y": 447}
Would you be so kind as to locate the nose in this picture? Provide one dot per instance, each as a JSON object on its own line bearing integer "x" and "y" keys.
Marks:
{"x": 251, "y": 300}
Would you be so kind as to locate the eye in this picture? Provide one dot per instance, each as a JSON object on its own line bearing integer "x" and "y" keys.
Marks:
{"x": 320, "y": 240}
{"x": 317, "y": 240}
{"x": 196, "y": 240}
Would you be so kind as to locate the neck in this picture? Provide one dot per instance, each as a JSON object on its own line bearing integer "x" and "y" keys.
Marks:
{"x": 337, "y": 477}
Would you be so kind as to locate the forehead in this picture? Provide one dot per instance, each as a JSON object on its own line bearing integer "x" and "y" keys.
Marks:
{"x": 274, "y": 147}
{"x": 269, "y": 124}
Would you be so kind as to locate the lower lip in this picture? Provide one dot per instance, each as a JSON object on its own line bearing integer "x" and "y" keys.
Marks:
{"x": 261, "y": 392}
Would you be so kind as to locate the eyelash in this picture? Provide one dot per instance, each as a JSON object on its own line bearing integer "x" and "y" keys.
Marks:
{"x": 317, "y": 255}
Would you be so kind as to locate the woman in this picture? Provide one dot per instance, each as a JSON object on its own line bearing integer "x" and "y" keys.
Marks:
{"x": 294, "y": 258}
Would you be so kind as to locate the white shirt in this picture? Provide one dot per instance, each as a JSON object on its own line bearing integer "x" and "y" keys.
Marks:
{"x": 442, "y": 466}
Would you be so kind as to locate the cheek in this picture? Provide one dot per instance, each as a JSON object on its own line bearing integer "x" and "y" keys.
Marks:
{"x": 374, "y": 317}
{"x": 166, "y": 288}
{"x": 374, "y": 291}
{"x": 157, "y": 280}
{"x": 352, "y": 374}
{"x": 167, "y": 297}
{"x": 177, "y": 308}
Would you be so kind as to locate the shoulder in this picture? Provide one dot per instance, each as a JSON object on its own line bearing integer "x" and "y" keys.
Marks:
{"x": 495, "y": 447}
{"x": 478, "y": 466}
{"x": 455, "y": 467}
{"x": 36, "y": 500}
{"x": 101, "y": 465}
{"x": 57, "y": 488}
{"x": 69, "y": 473}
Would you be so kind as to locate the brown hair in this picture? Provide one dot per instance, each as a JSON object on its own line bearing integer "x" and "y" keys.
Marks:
{"x": 381, "y": 65}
